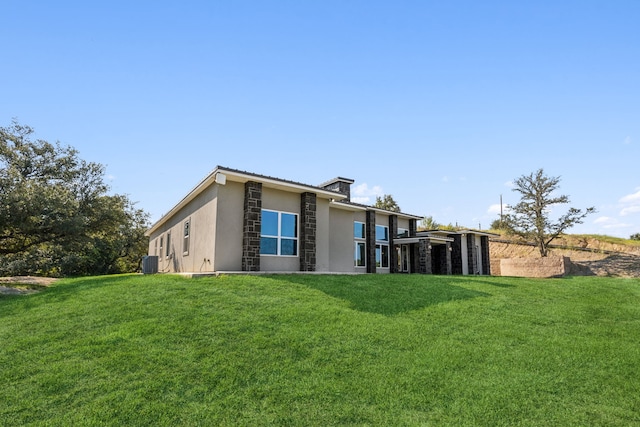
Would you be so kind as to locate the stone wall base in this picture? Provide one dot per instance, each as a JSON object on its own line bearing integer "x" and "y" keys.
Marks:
{"x": 551, "y": 266}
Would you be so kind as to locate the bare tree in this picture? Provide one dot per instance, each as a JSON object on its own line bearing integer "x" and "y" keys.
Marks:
{"x": 530, "y": 217}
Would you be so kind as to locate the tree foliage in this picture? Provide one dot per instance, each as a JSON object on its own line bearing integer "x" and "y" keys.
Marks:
{"x": 635, "y": 236}
{"x": 530, "y": 218}
{"x": 428, "y": 223}
{"x": 387, "y": 203}
{"x": 56, "y": 217}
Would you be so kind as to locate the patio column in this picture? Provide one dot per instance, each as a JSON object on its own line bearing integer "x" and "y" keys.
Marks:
{"x": 424, "y": 257}
{"x": 472, "y": 254}
{"x": 456, "y": 254}
{"x": 486, "y": 261}
{"x": 449, "y": 250}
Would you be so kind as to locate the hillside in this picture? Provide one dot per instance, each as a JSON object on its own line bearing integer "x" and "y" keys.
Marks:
{"x": 590, "y": 254}
{"x": 321, "y": 350}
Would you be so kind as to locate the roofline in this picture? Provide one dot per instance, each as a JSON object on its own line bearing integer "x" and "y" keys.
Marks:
{"x": 242, "y": 176}
{"x": 358, "y": 207}
{"x": 337, "y": 179}
{"x": 462, "y": 232}
{"x": 416, "y": 239}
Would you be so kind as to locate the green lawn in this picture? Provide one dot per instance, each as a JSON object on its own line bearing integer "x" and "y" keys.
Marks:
{"x": 322, "y": 350}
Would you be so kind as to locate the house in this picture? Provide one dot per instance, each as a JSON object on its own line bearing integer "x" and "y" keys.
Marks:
{"x": 241, "y": 221}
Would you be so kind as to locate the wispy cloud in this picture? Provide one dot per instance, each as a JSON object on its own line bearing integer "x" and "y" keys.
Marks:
{"x": 627, "y": 140}
{"x": 611, "y": 224}
{"x": 495, "y": 209}
{"x": 361, "y": 193}
{"x": 630, "y": 203}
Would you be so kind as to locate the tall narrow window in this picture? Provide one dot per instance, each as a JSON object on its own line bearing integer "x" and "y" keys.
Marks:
{"x": 155, "y": 251}
{"x": 187, "y": 234}
{"x": 382, "y": 246}
{"x": 161, "y": 246}
{"x": 168, "y": 250}
{"x": 360, "y": 252}
{"x": 279, "y": 235}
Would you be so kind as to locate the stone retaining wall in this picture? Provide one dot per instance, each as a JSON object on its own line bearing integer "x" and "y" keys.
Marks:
{"x": 552, "y": 266}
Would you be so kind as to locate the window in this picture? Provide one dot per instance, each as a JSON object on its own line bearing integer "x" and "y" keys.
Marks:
{"x": 155, "y": 251}
{"x": 161, "y": 246}
{"x": 187, "y": 233}
{"x": 360, "y": 252}
{"x": 382, "y": 233}
{"x": 279, "y": 233}
{"x": 403, "y": 232}
{"x": 168, "y": 244}
{"x": 382, "y": 256}
{"x": 359, "y": 258}
{"x": 382, "y": 246}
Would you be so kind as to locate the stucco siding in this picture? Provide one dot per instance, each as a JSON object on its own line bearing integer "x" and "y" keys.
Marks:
{"x": 227, "y": 229}
{"x": 341, "y": 243}
{"x": 322, "y": 235}
{"x": 201, "y": 215}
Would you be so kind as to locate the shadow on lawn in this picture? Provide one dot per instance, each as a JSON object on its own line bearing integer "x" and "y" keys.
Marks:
{"x": 388, "y": 295}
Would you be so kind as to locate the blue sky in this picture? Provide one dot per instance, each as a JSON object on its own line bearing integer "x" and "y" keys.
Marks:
{"x": 439, "y": 103}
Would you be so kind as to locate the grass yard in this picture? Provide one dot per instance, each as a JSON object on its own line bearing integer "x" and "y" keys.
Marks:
{"x": 322, "y": 350}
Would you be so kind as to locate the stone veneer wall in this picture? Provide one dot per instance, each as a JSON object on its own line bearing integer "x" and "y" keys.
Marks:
{"x": 424, "y": 257}
{"x": 308, "y": 229}
{"x": 472, "y": 257}
{"x": 486, "y": 262}
{"x": 393, "y": 254}
{"x": 342, "y": 187}
{"x": 551, "y": 266}
{"x": 456, "y": 254}
{"x": 252, "y": 226}
{"x": 371, "y": 241}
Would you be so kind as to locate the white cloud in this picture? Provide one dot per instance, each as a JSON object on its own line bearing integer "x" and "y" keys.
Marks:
{"x": 509, "y": 184}
{"x": 608, "y": 223}
{"x": 630, "y": 203}
{"x": 495, "y": 209}
{"x": 630, "y": 210}
{"x": 445, "y": 179}
{"x": 627, "y": 140}
{"x": 604, "y": 220}
{"x": 361, "y": 193}
{"x": 111, "y": 177}
{"x": 631, "y": 198}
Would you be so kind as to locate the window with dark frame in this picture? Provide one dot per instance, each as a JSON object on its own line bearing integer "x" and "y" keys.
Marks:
{"x": 360, "y": 252}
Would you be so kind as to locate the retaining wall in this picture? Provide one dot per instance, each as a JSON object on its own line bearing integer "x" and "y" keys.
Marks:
{"x": 551, "y": 266}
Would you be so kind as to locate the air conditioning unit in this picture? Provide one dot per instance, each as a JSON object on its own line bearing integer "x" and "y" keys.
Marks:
{"x": 150, "y": 264}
